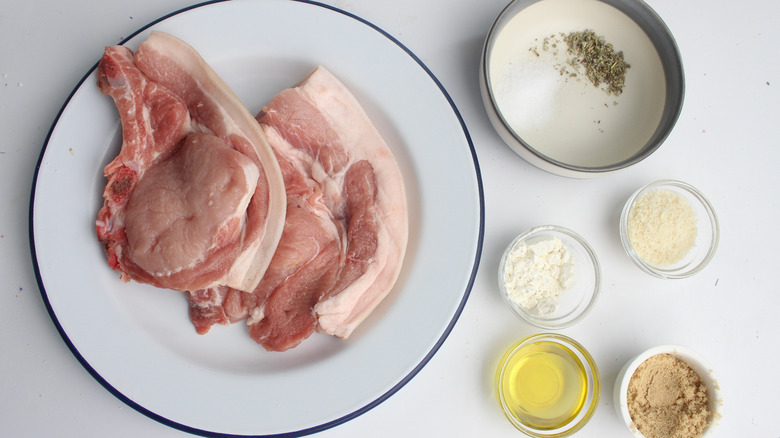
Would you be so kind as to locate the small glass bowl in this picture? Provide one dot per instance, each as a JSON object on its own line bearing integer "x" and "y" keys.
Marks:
{"x": 575, "y": 302}
{"x": 707, "y": 235}
{"x": 690, "y": 357}
{"x": 576, "y": 355}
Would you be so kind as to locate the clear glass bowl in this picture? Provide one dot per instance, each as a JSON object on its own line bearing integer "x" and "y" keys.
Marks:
{"x": 707, "y": 234}
{"x": 588, "y": 385}
{"x": 690, "y": 357}
{"x": 573, "y": 303}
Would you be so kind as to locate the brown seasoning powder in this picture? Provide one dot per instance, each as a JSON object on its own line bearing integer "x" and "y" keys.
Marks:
{"x": 667, "y": 399}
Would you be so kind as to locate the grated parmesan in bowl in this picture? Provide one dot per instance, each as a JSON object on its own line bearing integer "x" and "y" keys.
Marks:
{"x": 669, "y": 229}
{"x": 550, "y": 277}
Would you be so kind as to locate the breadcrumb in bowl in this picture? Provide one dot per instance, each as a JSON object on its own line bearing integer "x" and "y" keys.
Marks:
{"x": 669, "y": 229}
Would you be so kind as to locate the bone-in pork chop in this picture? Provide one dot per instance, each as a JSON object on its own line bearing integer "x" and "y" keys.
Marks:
{"x": 345, "y": 235}
{"x": 195, "y": 199}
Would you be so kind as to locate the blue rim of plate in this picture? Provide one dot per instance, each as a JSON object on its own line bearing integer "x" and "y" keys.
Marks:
{"x": 310, "y": 430}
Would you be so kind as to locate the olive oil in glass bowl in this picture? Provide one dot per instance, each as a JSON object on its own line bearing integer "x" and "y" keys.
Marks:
{"x": 548, "y": 385}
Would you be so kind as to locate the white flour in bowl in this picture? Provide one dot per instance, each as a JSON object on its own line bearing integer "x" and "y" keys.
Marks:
{"x": 535, "y": 275}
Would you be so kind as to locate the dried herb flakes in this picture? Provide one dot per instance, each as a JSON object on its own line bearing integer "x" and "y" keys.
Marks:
{"x": 592, "y": 53}
{"x": 603, "y": 65}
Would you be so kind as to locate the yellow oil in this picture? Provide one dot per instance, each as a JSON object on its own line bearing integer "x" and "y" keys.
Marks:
{"x": 544, "y": 385}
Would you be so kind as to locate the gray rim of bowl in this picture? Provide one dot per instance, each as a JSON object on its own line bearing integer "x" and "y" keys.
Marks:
{"x": 666, "y": 46}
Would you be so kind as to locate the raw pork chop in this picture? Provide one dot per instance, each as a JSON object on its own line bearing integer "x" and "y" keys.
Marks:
{"x": 345, "y": 234}
{"x": 195, "y": 198}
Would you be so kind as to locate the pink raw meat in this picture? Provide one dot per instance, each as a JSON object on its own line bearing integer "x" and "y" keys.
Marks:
{"x": 195, "y": 198}
{"x": 323, "y": 131}
{"x": 345, "y": 235}
{"x": 217, "y": 305}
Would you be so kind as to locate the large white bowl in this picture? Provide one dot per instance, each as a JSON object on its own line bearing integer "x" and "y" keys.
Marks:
{"x": 565, "y": 125}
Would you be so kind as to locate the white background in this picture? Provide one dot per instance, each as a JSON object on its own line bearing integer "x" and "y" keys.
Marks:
{"x": 725, "y": 143}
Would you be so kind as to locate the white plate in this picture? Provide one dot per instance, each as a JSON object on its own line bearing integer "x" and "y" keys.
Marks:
{"x": 137, "y": 341}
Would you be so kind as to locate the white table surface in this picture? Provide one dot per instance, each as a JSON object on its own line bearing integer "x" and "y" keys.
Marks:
{"x": 725, "y": 143}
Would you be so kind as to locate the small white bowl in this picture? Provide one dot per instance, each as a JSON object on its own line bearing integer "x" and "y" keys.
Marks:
{"x": 707, "y": 236}
{"x": 690, "y": 357}
{"x": 575, "y": 302}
